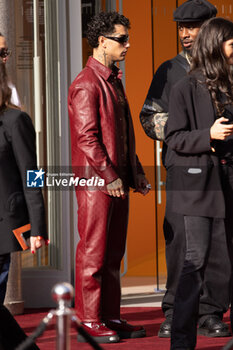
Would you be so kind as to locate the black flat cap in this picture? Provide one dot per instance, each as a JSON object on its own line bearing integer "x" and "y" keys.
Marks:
{"x": 194, "y": 11}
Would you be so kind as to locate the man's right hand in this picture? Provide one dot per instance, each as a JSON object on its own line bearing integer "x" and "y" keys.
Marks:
{"x": 116, "y": 188}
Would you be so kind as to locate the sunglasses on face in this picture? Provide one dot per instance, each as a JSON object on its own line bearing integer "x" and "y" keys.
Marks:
{"x": 120, "y": 39}
{"x": 4, "y": 52}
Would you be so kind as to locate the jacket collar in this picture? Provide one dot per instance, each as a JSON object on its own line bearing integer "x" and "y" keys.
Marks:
{"x": 102, "y": 70}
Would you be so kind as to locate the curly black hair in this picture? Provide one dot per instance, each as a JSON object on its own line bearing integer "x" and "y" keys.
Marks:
{"x": 104, "y": 24}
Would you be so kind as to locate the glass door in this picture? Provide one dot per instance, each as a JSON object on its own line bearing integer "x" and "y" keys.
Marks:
{"x": 42, "y": 84}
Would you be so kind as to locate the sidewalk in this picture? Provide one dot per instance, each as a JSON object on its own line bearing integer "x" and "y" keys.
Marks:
{"x": 141, "y": 292}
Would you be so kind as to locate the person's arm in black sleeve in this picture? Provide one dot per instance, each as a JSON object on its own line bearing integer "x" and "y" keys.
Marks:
{"x": 23, "y": 143}
{"x": 178, "y": 133}
{"x": 154, "y": 113}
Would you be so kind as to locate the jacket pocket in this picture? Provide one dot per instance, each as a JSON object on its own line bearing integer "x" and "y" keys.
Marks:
{"x": 196, "y": 178}
{"x": 16, "y": 202}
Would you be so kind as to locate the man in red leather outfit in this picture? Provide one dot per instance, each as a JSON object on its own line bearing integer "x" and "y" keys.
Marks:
{"x": 103, "y": 147}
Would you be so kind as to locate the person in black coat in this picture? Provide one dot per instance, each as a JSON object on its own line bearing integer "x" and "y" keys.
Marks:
{"x": 214, "y": 301}
{"x": 4, "y": 56}
{"x": 199, "y": 135}
{"x": 19, "y": 205}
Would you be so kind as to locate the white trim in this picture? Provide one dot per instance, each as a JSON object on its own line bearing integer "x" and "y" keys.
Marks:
{"x": 75, "y": 65}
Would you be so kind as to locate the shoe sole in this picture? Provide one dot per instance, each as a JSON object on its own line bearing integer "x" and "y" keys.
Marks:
{"x": 164, "y": 334}
{"x": 100, "y": 340}
{"x": 219, "y": 334}
{"x": 131, "y": 335}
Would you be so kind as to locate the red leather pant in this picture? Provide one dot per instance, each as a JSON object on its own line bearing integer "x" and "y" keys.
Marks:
{"x": 102, "y": 226}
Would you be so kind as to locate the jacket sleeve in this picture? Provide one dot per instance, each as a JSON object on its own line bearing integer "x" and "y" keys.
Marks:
{"x": 85, "y": 129}
{"x": 154, "y": 113}
{"x": 153, "y": 120}
{"x": 23, "y": 144}
{"x": 139, "y": 166}
{"x": 178, "y": 133}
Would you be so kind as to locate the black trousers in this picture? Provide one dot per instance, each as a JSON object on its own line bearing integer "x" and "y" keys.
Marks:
{"x": 11, "y": 334}
{"x": 199, "y": 233}
{"x": 185, "y": 316}
{"x": 215, "y": 296}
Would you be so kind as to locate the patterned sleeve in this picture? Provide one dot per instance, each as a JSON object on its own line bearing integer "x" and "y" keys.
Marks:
{"x": 153, "y": 119}
{"x": 154, "y": 113}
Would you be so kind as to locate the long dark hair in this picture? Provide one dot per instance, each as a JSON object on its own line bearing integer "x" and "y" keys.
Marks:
{"x": 5, "y": 91}
{"x": 207, "y": 56}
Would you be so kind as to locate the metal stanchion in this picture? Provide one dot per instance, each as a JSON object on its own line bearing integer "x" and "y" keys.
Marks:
{"x": 62, "y": 293}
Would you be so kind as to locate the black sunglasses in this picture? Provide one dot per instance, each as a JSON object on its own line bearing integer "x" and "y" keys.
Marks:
{"x": 120, "y": 39}
{"x": 4, "y": 52}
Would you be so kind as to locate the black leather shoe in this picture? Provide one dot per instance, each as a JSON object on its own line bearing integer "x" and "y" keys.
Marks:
{"x": 125, "y": 330}
{"x": 214, "y": 327}
{"x": 165, "y": 328}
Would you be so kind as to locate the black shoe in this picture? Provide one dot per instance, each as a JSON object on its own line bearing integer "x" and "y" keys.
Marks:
{"x": 214, "y": 327}
{"x": 165, "y": 328}
{"x": 126, "y": 330}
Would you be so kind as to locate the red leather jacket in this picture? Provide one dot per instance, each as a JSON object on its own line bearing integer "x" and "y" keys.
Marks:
{"x": 95, "y": 124}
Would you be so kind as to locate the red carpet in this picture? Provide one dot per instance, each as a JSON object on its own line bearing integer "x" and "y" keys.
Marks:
{"x": 149, "y": 317}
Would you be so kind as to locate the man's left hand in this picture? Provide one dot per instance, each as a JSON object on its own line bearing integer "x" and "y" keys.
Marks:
{"x": 142, "y": 184}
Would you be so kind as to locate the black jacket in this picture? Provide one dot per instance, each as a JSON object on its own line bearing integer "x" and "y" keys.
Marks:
{"x": 193, "y": 169}
{"x": 19, "y": 205}
{"x": 157, "y": 100}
